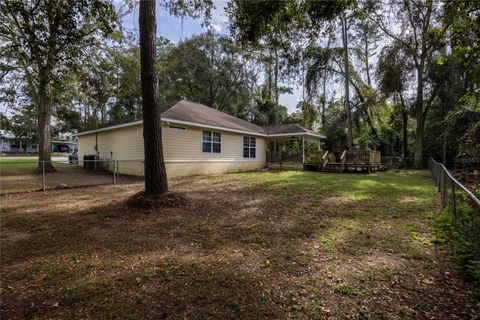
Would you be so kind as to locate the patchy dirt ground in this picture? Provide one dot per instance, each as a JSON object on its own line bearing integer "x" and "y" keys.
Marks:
{"x": 300, "y": 245}
{"x": 18, "y": 177}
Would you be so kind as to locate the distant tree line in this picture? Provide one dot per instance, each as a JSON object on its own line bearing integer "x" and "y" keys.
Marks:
{"x": 403, "y": 75}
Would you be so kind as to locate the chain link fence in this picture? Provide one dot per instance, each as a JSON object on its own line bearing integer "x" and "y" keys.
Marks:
{"x": 401, "y": 162}
{"x": 27, "y": 175}
{"x": 462, "y": 204}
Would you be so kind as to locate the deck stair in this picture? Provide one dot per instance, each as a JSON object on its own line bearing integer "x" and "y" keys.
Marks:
{"x": 333, "y": 167}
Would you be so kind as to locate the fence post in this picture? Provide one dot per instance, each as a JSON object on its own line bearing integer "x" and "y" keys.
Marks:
{"x": 43, "y": 175}
{"x": 444, "y": 188}
{"x": 114, "y": 171}
{"x": 454, "y": 203}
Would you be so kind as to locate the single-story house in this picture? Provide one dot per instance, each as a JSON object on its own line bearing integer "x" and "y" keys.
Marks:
{"x": 11, "y": 143}
{"x": 196, "y": 140}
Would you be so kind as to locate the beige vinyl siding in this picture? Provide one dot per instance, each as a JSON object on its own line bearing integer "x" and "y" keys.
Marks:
{"x": 182, "y": 151}
{"x": 86, "y": 144}
{"x": 125, "y": 143}
{"x": 187, "y": 145}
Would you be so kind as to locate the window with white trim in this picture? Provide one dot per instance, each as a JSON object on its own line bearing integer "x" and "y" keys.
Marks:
{"x": 249, "y": 147}
{"x": 211, "y": 142}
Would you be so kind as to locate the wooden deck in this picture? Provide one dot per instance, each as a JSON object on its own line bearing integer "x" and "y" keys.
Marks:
{"x": 320, "y": 160}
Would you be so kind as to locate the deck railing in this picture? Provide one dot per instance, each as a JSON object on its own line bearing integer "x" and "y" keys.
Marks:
{"x": 313, "y": 156}
{"x": 284, "y": 156}
{"x": 362, "y": 157}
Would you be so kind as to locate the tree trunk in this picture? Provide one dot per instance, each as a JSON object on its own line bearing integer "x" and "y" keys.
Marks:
{"x": 210, "y": 83}
{"x": 277, "y": 113}
{"x": 347, "y": 89}
{"x": 45, "y": 100}
{"x": 420, "y": 118}
{"x": 366, "y": 113}
{"x": 324, "y": 99}
{"x": 405, "y": 130}
{"x": 419, "y": 142}
{"x": 367, "y": 65}
{"x": 269, "y": 77}
{"x": 444, "y": 151}
{"x": 405, "y": 136}
{"x": 324, "y": 90}
{"x": 155, "y": 173}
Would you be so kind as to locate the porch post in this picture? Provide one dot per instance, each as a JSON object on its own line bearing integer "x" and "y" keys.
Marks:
{"x": 303, "y": 149}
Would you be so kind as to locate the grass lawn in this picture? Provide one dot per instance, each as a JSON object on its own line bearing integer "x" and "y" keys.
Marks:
{"x": 15, "y": 166}
{"x": 301, "y": 245}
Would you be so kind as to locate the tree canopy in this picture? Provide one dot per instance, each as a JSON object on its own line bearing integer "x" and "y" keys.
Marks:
{"x": 411, "y": 66}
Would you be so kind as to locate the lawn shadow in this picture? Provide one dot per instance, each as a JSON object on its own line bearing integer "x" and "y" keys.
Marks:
{"x": 247, "y": 246}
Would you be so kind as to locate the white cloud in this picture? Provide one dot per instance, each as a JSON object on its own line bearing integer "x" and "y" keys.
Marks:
{"x": 216, "y": 27}
{"x": 290, "y": 100}
{"x": 218, "y": 14}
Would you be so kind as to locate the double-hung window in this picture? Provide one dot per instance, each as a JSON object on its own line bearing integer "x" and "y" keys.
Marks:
{"x": 249, "y": 147}
{"x": 211, "y": 142}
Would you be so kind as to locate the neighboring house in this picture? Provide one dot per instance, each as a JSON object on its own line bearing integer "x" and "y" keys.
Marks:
{"x": 196, "y": 140}
{"x": 10, "y": 143}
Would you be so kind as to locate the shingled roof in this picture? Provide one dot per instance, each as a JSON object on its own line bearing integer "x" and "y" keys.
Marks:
{"x": 287, "y": 128}
{"x": 201, "y": 114}
{"x": 191, "y": 113}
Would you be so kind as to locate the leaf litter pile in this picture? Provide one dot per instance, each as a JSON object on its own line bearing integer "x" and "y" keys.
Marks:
{"x": 269, "y": 245}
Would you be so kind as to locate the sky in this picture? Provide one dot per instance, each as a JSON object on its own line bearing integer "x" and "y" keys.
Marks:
{"x": 171, "y": 28}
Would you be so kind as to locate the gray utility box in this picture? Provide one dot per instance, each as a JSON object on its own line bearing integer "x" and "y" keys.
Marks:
{"x": 90, "y": 162}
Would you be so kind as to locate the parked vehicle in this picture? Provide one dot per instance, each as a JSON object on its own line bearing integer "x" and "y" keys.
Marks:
{"x": 73, "y": 158}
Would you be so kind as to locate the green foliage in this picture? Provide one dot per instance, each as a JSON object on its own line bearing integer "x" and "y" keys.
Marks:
{"x": 41, "y": 43}
{"x": 209, "y": 69}
{"x": 393, "y": 70}
{"x": 463, "y": 19}
{"x": 45, "y": 38}
{"x": 263, "y": 110}
{"x": 252, "y": 20}
{"x": 4, "y": 122}
{"x": 334, "y": 128}
{"x": 24, "y": 122}
{"x": 463, "y": 234}
{"x": 193, "y": 8}
{"x": 273, "y": 46}
{"x": 125, "y": 79}
{"x": 306, "y": 115}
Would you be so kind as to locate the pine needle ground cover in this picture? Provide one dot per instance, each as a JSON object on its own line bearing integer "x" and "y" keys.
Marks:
{"x": 254, "y": 245}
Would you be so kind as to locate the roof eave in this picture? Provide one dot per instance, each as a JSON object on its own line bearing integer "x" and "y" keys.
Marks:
{"x": 293, "y": 134}
{"x": 118, "y": 126}
{"x": 194, "y": 124}
{"x": 170, "y": 120}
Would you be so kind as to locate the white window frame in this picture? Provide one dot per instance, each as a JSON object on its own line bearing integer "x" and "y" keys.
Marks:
{"x": 211, "y": 142}
{"x": 249, "y": 147}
